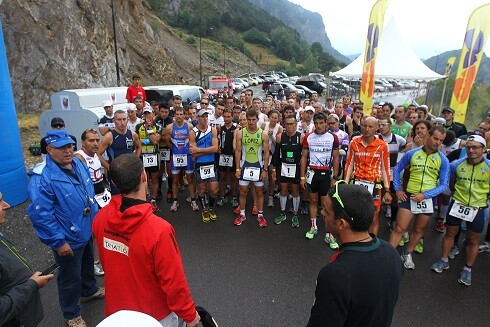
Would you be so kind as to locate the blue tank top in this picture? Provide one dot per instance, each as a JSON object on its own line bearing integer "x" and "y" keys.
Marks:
{"x": 121, "y": 144}
{"x": 180, "y": 139}
{"x": 204, "y": 140}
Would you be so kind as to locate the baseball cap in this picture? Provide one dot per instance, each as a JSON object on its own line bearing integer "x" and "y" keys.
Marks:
{"x": 107, "y": 103}
{"x": 202, "y": 112}
{"x": 476, "y": 138}
{"x": 131, "y": 106}
{"x": 448, "y": 109}
{"x": 333, "y": 116}
{"x": 147, "y": 109}
{"x": 57, "y": 121}
{"x": 176, "y": 97}
{"x": 440, "y": 120}
{"x": 58, "y": 138}
{"x": 309, "y": 108}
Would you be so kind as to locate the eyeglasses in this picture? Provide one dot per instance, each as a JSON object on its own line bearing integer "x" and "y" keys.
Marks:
{"x": 336, "y": 195}
{"x": 204, "y": 103}
{"x": 474, "y": 147}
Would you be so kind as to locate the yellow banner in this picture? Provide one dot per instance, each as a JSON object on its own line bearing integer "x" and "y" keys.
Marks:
{"x": 470, "y": 59}
{"x": 375, "y": 27}
{"x": 449, "y": 65}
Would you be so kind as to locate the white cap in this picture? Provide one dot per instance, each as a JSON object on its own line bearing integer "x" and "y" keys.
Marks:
{"x": 131, "y": 106}
{"x": 126, "y": 318}
{"x": 309, "y": 108}
{"x": 147, "y": 109}
{"x": 107, "y": 103}
{"x": 477, "y": 138}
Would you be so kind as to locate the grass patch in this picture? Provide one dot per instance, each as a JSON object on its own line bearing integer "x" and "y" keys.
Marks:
{"x": 27, "y": 122}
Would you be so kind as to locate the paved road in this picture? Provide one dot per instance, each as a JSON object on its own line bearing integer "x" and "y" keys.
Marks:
{"x": 248, "y": 276}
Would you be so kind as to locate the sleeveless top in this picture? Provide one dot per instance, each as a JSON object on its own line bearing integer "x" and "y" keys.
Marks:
{"x": 272, "y": 138}
{"x": 401, "y": 130}
{"x": 252, "y": 147}
{"x": 143, "y": 134}
{"x": 291, "y": 148}
{"x": 95, "y": 170}
{"x": 180, "y": 139}
{"x": 121, "y": 144}
{"x": 226, "y": 139}
{"x": 204, "y": 140}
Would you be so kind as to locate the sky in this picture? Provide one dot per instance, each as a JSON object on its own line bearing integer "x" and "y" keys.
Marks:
{"x": 429, "y": 27}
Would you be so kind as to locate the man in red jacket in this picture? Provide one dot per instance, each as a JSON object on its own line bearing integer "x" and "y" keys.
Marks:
{"x": 135, "y": 89}
{"x": 139, "y": 252}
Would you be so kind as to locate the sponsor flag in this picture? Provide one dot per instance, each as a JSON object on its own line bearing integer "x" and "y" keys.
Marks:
{"x": 375, "y": 27}
{"x": 470, "y": 59}
{"x": 449, "y": 65}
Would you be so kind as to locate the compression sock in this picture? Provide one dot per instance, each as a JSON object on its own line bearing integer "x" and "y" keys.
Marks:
{"x": 296, "y": 200}
{"x": 283, "y": 199}
{"x": 313, "y": 223}
{"x": 202, "y": 201}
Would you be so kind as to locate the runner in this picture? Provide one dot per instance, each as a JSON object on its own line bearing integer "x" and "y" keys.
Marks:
{"x": 429, "y": 176}
{"x": 203, "y": 144}
{"x": 273, "y": 129}
{"x": 470, "y": 178}
{"x": 333, "y": 126}
{"x": 161, "y": 122}
{"x": 319, "y": 170}
{"x": 252, "y": 151}
{"x": 368, "y": 165}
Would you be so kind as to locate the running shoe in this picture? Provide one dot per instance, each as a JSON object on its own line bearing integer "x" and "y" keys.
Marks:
{"x": 453, "y": 252}
{"x": 419, "y": 248}
{"x": 154, "y": 206}
{"x": 440, "y": 227}
{"x": 236, "y": 211}
{"x": 189, "y": 199}
{"x": 169, "y": 197}
{"x": 304, "y": 208}
{"x": 280, "y": 218}
{"x": 391, "y": 225}
{"x": 295, "y": 221}
{"x": 311, "y": 233}
{"x": 255, "y": 211}
{"x": 222, "y": 201}
{"x": 465, "y": 278}
{"x": 212, "y": 214}
{"x": 239, "y": 220}
{"x": 194, "y": 206}
{"x": 234, "y": 202}
{"x": 262, "y": 221}
{"x": 484, "y": 247}
{"x": 174, "y": 206}
{"x": 463, "y": 227}
{"x": 330, "y": 240}
{"x": 404, "y": 240}
{"x": 270, "y": 203}
{"x": 439, "y": 266}
{"x": 98, "y": 270}
{"x": 407, "y": 260}
{"x": 205, "y": 216}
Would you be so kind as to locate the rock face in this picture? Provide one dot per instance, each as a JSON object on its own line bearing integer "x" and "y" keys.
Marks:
{"x": 65, "y": 44}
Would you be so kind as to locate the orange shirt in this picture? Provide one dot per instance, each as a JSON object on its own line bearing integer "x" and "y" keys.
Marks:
{"x": 368, "y": 160}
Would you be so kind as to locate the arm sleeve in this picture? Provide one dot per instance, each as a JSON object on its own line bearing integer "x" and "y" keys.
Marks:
{"x": 402, "y": 164}
{"x": 331, "y": 299}
{"x": 14, "y": 300}
{"x": 170, "y": 270}
{"x": 443, "y": 179}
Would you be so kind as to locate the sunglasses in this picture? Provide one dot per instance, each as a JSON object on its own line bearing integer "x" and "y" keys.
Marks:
{"x": 336, "y": 194}
{"x": 58, "y": 126}
{"x": 204, "y": 103}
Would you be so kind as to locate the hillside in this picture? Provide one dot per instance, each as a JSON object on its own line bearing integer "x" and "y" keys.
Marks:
{"x": 438, "y": 64}
{"x": 308, "y": 24}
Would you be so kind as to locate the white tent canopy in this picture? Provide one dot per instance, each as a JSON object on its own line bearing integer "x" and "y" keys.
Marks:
{"x": 394, "y": 60}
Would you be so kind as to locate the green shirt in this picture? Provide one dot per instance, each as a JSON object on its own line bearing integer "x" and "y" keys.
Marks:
{"x": 401, "y": 130}
{"x": 252, "y": 147}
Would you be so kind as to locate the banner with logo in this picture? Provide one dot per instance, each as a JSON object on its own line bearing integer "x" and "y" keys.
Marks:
{"x": 449, "y": 66}
{"x": 375, "y": 27}
{"x": 470, "y": 59}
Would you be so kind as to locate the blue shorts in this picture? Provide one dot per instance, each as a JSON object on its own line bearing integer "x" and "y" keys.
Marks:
{"x": 406, "y": 205}
{"x": 189, "y": 168}
{"x": 476, "y": 225}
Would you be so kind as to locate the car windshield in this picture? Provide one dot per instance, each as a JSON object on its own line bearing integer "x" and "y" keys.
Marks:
{"x": 218, "y": 85}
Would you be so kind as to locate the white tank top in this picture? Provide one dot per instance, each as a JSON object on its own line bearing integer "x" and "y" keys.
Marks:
{"x": 272, "y": 138}
{"x": 260, "y": 119}
{"x": 450, "y": 148}
{"x": 94, "y": 166}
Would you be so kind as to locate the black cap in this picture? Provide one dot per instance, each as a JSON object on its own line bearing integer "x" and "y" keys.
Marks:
{"x": 57, "y": 121}
{"x": 448, "y": 109}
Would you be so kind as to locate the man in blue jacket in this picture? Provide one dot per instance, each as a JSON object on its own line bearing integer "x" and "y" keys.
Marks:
{"x": 62, "y": 212}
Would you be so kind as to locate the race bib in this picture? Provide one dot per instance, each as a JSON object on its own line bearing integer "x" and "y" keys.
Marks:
{"x": 103, "y": 198}
{"x": 164, "y": 154}
{"x": 180, "y": 160}
{"x": 251, "y": 174}
{"x": 369, "y": 186}
{"x": 424, "y": 206}
{"x": 226, "y": 160}
{"x": 150, "y": 160}
{"x": 288, "y": 170}
{"x": 309, "y": 175}
{"x": 463, "y": 212}
{"x": 207, "y": 171}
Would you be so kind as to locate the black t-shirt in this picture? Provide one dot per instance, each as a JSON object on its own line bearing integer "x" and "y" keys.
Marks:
{"x": 44, "y": 145}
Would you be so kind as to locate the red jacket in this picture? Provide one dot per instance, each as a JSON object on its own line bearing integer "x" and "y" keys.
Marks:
{"x": 134, "y": 91}
{"x": 142, "y": 263}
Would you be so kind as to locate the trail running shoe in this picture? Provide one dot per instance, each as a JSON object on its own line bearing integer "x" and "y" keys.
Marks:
{"x": 280, "y": 218}
{"x": 465, "y": 278}
{"x": 484, "y": 247}
{"x": 453, "y": 252}
{"x": 194, "y": 206}
{"x": 234, "y": 202}
{"x": 407, "y": 261}
{"x": 98, "y": 270}
{"x": 154, "y": 206}
{"x": 440, "y": 265}
{"x": 270, "y": 203}
{"x": 419, "y": 248}
{"x": 330, "y": 240}
{"x": 222, "y": 201}
{"x": 239, "y": 220}
{"x": 440, "y": 227}
{"x": 404, "y": 240}
{"x": 212, "y": 214}
{"x": 174, "y": 206}
{"x": 262, "y": 221}
{"x": 205, "y": 216}
{"x": 255, "y": 211}
{"x": 311, "y": 233}
{"x": 295, "y": 221}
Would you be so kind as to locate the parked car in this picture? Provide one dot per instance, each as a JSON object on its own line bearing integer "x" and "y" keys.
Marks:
{"x": 287, "y": 87}
{"x": 307, "y": 91}
{"x": 244, "y": 82}
{"x": 312, "y": 83}
{"x": 237, "y": 84}
{"x": 274, "y": 89}
{"x": 251, "y": 81}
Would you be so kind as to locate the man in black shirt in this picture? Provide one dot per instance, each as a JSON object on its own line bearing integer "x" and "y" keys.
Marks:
{"x": 458, "y": 128}
{"x": 359, "y": 286}
{"x": 56, "y": 123}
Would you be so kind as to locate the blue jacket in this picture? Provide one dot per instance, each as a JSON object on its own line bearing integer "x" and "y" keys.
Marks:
{"x": 58, "y": 202}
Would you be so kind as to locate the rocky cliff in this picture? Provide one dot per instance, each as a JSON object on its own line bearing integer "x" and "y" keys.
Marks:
{"x": 62, "y": 44}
